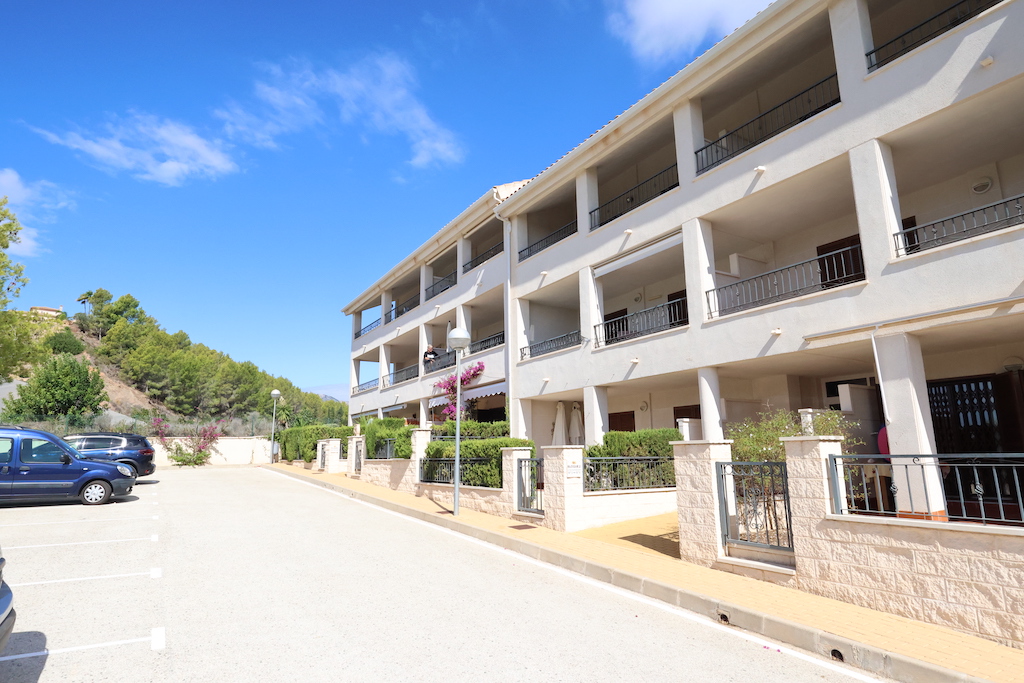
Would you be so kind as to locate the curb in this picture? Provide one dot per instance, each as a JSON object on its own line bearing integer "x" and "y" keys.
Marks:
{"x": 872, "y": 659}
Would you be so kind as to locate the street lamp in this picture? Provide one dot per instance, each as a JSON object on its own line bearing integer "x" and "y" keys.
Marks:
{"x": 458, "y": 340}
{"x": 275, "y": 394}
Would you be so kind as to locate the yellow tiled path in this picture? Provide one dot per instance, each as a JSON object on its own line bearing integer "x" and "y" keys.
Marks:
{"x": 638, "y": 547}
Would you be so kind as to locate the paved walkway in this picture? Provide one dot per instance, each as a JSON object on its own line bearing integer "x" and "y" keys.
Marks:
{"x": 636, "y": 555}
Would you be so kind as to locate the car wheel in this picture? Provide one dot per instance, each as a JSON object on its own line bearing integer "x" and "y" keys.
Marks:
{"x": 96, "y": 492}
{"x": 132, "y": 467}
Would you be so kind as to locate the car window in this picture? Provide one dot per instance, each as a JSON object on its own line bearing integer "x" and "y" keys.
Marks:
{"x": 6, "y": 446}
{"x": 77, "y": 442}
{"x": 40, "y": 451}
{"x": 104, "y": 442}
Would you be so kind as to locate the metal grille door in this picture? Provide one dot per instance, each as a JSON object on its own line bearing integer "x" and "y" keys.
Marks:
{"x": 531, "y": 485}
{"x": 754, "y": 500}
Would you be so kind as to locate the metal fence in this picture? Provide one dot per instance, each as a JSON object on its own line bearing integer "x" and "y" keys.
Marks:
{"x": 372, "y": 326}
{"x": 441, "y": 284}
{"x": 384, "y": 449}
{"x": 564, "y": 341}
{"x": 445, "y": 359}
{"x": 480, "y": 472}
{"x": 487, "y": 343}
{"x": 616, "y": 474}
{"x": 930, "y": 28}
{"x": 755, "y": 504}
{"x": 996, "y": 216}
{"x": 814, "y": 100}
{"x": 976, "y": 487}
{"x": 545, "y": 242}
{"x": 403, "y": 375}
{"x": 531, "y": 485}
{"x": 366, "y": 386}
{"x": 483, "y": 256}
{"x": 639, "y": 324}
{"x": 402, "y": 308}
{"x": 653, "y": 187}
{"x": 828, "y": 270}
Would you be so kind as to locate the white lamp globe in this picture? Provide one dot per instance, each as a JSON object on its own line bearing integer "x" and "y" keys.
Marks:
{"x": 458, "y": 339}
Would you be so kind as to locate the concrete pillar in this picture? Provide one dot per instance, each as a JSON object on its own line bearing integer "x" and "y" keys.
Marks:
{"x": 700, "y": 523}
{"x": 563, "y": 487}
{"x": 384, "y": 354}
{"x": 357, "y": 323}
{"x": 464, "y": 319}
{"x": 586, "y": 198}
{"x": 851, "y": 41}
{"x": 590, "y": 302}
{"x": 710, "y": 404}
{"x": 520, "y": 416}
{"x": 519, "y": 236}
{"x": 520, "y": 325}
{"x": 690, "y": 429}
{"x": 424, "y": 412}
{"x": 877, "y": 202}
{"x": 463, "y": 254}
{"x": 426, "y": 279}
{"x": 386, "y": 302}
{"x": 699, "y": 264}
{"x": 595, "y": 414}
{"x": 688, "y": 120}
{"x": 354, "y": 373}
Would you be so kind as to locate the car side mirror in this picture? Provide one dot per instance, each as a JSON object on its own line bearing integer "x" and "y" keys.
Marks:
{"x": 65, "y": 458}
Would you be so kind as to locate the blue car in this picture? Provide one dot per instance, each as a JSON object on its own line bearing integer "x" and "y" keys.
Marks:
{"x": 38, "y": 466}
{"x": 128, "y": 449}
{"x": 7, "y": 613}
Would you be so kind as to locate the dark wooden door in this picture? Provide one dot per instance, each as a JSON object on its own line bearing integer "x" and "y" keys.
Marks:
{"x": 846, "y": 266}
{"x": 622, "y": 422}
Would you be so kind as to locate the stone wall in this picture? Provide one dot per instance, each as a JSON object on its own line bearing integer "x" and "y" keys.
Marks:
{"x": 397, "y": 474}
{"x": 229, "y": 450}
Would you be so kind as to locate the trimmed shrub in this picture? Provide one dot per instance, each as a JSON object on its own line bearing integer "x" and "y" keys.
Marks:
{"x": 486, "y": 474}
{"x": 472, "y": 428}
{"x": 378, "y": 430}
{"x": 300, "y": 442}
{"x": 640, "y": 444}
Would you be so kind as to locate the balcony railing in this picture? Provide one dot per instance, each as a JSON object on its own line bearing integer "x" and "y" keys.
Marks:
{"x": 814, "y": 100}
{"x": 366, "y": 386}
{"x": 483, "y": 472}
{"x": 997, "y": 216}
{"x": 930, "y": 28}
{"x": 649, "y": 189}
{"x": 402, "y": 308}
{"x": 403, "y": 375}
{"x": 487, "y": 343}
{"x": 542, "y": 244}
{"x": 485, "y": 256}
{"x": 639, "y": 324}
{"x": 372, "y": 326}
{"x": 445, "y": 359}
{"x": 446, "y": 282}
{"x": 828, "y": 270}
{"x": 564, "y": 341}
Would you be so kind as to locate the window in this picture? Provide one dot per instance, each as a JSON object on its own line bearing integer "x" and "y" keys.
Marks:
{"x": 6, "y": 447}
{"x": 622, "y": 422}
{"x": 40, "y": 451}
{"x": 692, "y": 412}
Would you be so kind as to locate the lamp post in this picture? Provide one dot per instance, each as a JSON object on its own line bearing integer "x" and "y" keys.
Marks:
{"x": 275, "y": 394}
{"x": 458, "y": 340}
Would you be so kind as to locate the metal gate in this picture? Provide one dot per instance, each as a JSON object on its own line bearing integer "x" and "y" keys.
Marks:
{"x": 531, "y": 485}
{"x": 323, "y": 456}
{"x": 358, "y": 465}
{"x": 754, "y": 500}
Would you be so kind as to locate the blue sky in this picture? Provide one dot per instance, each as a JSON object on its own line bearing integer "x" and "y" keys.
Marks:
{"x": 246, "y": 169}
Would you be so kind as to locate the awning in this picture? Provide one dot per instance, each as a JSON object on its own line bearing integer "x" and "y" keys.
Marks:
{"x": 437, "y": 401}
{"x": 391, "y": 409}
{"x": 489, "y": 390}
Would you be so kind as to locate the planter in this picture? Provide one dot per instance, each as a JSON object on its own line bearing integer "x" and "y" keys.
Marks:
{"x": 307, "y": 465}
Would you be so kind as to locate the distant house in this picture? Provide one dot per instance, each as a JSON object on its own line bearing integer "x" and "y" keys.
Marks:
{"x": 46, "y": 310}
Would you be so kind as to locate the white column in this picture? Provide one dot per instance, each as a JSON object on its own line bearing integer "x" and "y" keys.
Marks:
{"x": 463, "y": 254}
{"x": 386, "y": 299}
{"x": 595, "y": 414}
{"x": 590, "y": 302}
{"x": 426, "y": 279}
{"x": 519, "y": 237}
{"x": 384, "y": 356}
{"x": 710, "y": 404}
{"x": 357, "y": 323}
{"x": 699, "y": 263}
{"x": 586, "y": 198}
{"x": 424, "y": 341}
{"x": 851, "y": 41}
{"x": 424, "y": 412}
{"x": 464, "y": 319}
{"x": 877, "y": 202}
{"x": 688, "y": 120}
{"x": 520, "y": 414}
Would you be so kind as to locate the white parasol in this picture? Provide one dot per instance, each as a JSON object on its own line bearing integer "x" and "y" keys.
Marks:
{"x": 558, "y": 435}
{"x": 576, "y": 425}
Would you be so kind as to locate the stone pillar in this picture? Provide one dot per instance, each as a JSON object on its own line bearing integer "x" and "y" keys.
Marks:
{"x": 595, "y": 414}
{"x": 586, "y": 198}
{"x": 336, "y": 464}
{"x": 520, "y": 414}
{"x": 590, "y": 302}
{"x": 563, "y": 488}
{"x": 851, "y": 41}
{"x": 700, "y": 523}
{"x": 355, "y": 443}
{"x": 710, "y": 404}
{"x": 420, "y": 438}
{"x": 878, "y": 204}
{"x": 688, "y": 120}
{"x": 699, "y": 263}
{"x": 807, "y": 462}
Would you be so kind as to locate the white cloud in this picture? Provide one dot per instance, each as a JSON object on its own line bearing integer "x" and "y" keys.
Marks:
{"x": 34, "y": 202}
{"x": 286, "y": 106}
{"x": 150, "y": 148}
{"x": 661, "y": 30}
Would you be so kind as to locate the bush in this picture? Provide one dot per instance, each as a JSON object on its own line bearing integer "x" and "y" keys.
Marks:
{"x": 300, "y": 442}
{"x": 757, "y": 440}
{"x": 64, "y": 342}
{"x": 486, "y": 474}
{"x": 640, "y": 444}
{"x": 377, "y": 430}
{"x": 472, "y": 428}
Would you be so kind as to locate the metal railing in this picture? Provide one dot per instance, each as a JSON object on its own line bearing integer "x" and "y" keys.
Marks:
{"x": 545, "y": 242}
{"x": 487, "y": 342}
{"x": 996, "y": 216}
{"x": 442, "y": 284}
{"x": 444, "y": 437}
{"x": 653, "y": 187}
{"x": 485, "y": 256}
{"x": 403, "y": 375}
{"x": 531, "y": 485}
{"x": 402, "y": 308}
{"x": 474, "y": 471}
{"x": 617, "y": 474}
{"x": 564, "y": 341}
{"x": 639, "y": 324}
{"x": 445, "y": 359}
{"x": 930, "y": 28}
{"x": 372, "y": 326}
{"x": 964, "y": 487}
{"x": 754, "y": 499}
{"x": 366, "y": 386}
{"x": 383, "y": 450}
{"x": 814, "y": 100}
{"x": 828, "y": 270}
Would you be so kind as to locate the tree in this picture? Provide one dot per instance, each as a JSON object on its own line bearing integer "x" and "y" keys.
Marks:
{"x": 64, "y": 342}
{"x": 60, "y": 386}
{"x": 11, "y": 277}
{"x": 18, "y": 347}
{"x": 84, "y": 300}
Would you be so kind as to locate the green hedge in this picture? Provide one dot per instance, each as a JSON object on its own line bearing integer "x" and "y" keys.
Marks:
{"x": 376, "y": 430}
{"x": 639, "y": 444}
{"x": 300, "y": 442}
{"x": 491, "y": 430}
{"x": 487, "y": 474}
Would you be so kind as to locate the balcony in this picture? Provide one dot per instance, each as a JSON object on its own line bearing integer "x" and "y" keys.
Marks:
{"x": 372, "y": 326}
{"x": 445, "y": 359}
{"x": 642, "y": 323}
{"x": 366, "y": 386}
{"x": 997, "y": 216}
{"x": 564, "y": 341}
{"x": 442, "y": 284}
{"x": 402, "y": 308}
{"x": 543, "y": 243}
{"x": 642, "y": 193}
{"x": 487, "y": 343}
{"x": 828, "y": 270}
{"x": 485, "y": 256}
{"x": 930, "y": 28}
{"x": 403, "y": 375}
{"x": 801, "y": 107}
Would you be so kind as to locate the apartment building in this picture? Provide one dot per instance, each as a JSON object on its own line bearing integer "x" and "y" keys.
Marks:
{"x": 824, "y": 210}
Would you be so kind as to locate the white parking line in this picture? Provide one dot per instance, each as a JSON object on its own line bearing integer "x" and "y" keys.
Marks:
{"x": 152, "y": 639}
{"x": 154, "y": 573}
{"x": 55, "y": 545}
{"x": 158, "y": 640}
{"x": 83, "y": 521}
